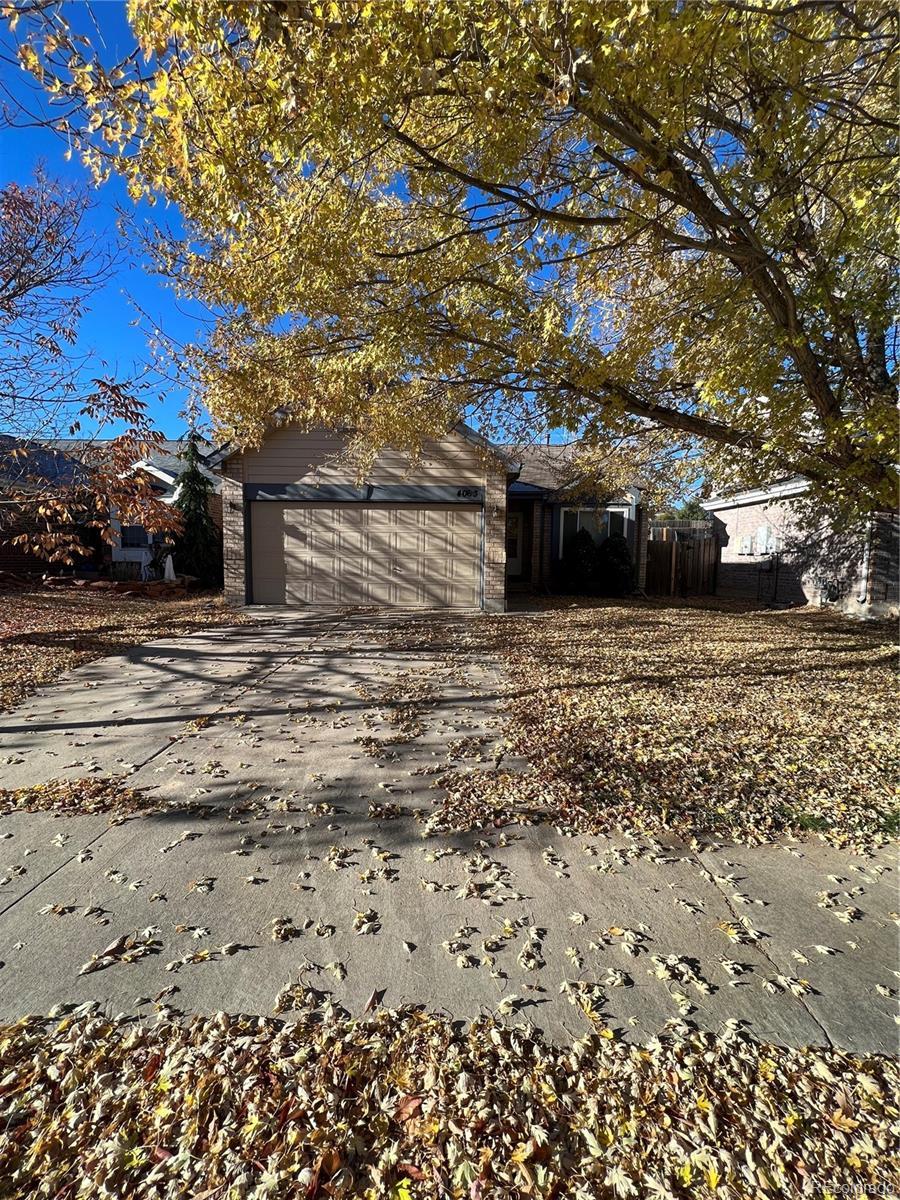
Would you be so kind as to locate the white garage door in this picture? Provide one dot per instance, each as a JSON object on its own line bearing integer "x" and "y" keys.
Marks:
{"x": 396, "y": 555}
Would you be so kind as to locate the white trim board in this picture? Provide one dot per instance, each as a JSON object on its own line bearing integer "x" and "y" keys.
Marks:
{"x": 778, "y": 491}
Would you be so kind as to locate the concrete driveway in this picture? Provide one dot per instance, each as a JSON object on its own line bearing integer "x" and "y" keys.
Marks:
{"x": 259, "y": 741}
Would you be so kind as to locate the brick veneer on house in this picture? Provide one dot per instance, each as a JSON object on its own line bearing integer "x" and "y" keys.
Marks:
{"x": 494, "y": 538}
{"x": 233, "y": 531}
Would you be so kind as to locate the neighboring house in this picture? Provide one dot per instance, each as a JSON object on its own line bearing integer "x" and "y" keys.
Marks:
{"x": 443, "y": 531}
{"x": 766, "y": 554}
{"x": 133, "y": 543}
{"x": 29, "y": 468}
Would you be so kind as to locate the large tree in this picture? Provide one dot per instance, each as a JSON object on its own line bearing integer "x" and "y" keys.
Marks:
{"x": 607, "y": 216}
{"x": 51, "y": 389}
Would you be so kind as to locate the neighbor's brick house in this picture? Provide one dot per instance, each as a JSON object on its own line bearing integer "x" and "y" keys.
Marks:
{"x": 768, "y": 554}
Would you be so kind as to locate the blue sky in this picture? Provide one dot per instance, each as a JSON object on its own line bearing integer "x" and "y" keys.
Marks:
{"x": 107, "y": 329}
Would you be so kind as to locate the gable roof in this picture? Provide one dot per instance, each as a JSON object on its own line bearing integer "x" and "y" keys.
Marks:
{"x": 164, "y": 460}
{"x": 542, "y": 466}
{"x": 38, "y": 466}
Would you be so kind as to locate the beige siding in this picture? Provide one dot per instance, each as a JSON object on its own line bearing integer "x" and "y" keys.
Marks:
{"x": 289, "y": 455}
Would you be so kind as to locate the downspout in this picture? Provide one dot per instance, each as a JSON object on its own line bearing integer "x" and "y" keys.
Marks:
{"x": 863, "y": 598}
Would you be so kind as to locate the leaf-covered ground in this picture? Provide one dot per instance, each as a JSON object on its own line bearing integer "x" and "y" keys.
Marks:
{"x": 692, "y": 720}
{"x": 74, "y": 797}
{"x": 45, "y": 634}
{"x": 405, "y": 1105}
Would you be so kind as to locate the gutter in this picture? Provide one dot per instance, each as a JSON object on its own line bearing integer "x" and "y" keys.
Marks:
{"x": 755, "y": 495}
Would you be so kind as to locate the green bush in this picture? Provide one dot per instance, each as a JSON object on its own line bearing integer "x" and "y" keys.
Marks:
{"x": 580, "y": 562}
{"x": 615, "y": 567}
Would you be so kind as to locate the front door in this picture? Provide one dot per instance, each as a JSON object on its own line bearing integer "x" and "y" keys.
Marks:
{"x": 513, "y": 543}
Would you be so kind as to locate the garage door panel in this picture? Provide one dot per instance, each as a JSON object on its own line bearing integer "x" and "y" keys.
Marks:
{"x": 388, "y": 555}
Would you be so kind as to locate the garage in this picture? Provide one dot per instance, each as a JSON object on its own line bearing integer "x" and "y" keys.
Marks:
{"x": 390, "y": 555}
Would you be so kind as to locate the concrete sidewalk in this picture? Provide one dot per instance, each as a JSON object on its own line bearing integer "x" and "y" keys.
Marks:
{"x": 278, "y": 716}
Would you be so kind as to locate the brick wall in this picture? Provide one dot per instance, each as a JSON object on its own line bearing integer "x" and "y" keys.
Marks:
{"x": 214, "y": 506}
{"x": 641, "y": 533}
{"x": 875, "y": 589}
{"x": 757, "y": 576}
{"x": 762, "y": 580}
{"x": 495, "y": 538}
{"x": 541, "y": 537}
{"x": 732, "y": 525}
{"x": 233, "y": 531}
{"x": 821, "y": 565}
{"x": 19, "y": 561}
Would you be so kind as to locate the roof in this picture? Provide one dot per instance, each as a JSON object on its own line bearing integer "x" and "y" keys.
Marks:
{"x": 164, "y": 461}
{"x": 547, "y": 468}
{"x": 782, "y": 489}
{"x": 38, "y": 466}
{"x": 543, "y": 466}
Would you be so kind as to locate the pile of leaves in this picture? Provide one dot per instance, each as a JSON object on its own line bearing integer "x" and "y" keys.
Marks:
{"x": 75, "y": 797}
{"x": 44, "y": 635}
{"x": 692, "y": 720}
{"x": 405, "y": 1105}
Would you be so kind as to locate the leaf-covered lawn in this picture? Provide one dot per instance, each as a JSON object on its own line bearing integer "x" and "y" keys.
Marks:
{"x": 44, "y": 634}
{"x": 696, "y": 720}
{"x": 406, "y": 1106}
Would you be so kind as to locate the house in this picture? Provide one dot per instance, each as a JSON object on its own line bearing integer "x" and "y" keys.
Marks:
{"x": 31, "y": 469}
{"x": 452, "y": 528}
{"x": 133, "y": 543}
{"x": 768, "y": 554}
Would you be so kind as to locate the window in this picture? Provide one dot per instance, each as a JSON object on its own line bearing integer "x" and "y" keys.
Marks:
{"x": 616, "y": 524}
{"x": 595, "y": 520}
{"x": 134, "y": 536}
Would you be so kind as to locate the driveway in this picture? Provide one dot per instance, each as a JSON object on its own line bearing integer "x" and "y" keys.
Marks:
{"x": 286, "y": 838}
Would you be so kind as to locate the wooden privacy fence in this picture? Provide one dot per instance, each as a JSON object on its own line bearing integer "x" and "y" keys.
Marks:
{"x": 684, "y": 568}
{"x": 679, "y": 531}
